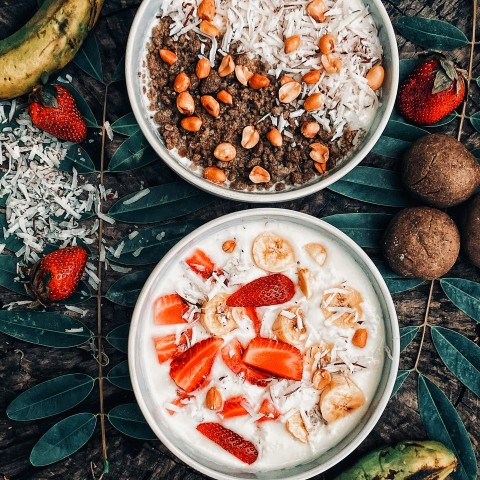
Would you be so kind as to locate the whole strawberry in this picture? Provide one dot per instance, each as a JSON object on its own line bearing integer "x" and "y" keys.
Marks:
{"x": 56, "y": 276}
{"x": 431, "y": 92}
{"x": 53, "y": 109}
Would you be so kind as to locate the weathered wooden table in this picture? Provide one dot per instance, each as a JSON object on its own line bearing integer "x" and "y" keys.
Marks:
{"x": 24, "y": 365}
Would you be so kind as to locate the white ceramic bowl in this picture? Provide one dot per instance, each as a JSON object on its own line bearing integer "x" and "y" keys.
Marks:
{"x": 139, "y": 361}
{"x": 136, "y": 49}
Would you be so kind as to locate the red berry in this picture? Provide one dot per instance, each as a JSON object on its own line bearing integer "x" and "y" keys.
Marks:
{"x": 169, "y": 309}
{"x": 201, "y": 263}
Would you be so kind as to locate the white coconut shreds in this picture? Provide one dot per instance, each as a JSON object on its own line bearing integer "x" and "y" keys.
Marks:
{"x": 259, "y": 28}
{"x": 42, "y": 204}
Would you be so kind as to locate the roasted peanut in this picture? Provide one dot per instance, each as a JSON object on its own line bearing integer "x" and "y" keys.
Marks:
{"x": 275, "y": 137}
{"x": 319, "y": 152}
{"x": 316, "y": 10}
{"x": 225, "y": 152}
{"x": 185, "y": 103}
{"x": 311, "y": 77}
{"x": 224, "y": 97}
{"x": 206, "y": 10}
{"x": 309, "y": 129}
{"x": 296, "y": 427}
{"x": 321, "y": 378}
{"x": 213, "y": 399}
{"x": 243, "y": 74}
{"x": 229, "y": 246}
{"x": 210, "y": 105}
{"x": 285, "y": 79}
{"x": 321, "y": 168}
{"x": 375, "y": 77}
{"x": 305, "y": 281}
{"x": 258, "y": 81}
{"x": 259, "y": 175}
{"x": 168, "y": 56}
{"x": 227, "y": 66}
{"x": 326, "y": 44}
{"x": 214, "y": 174}
{"x": 360, "y": 337}
{"x": 202, "y": 70}
{"x": 313, "y": 102}
{"x": 209, "y": 28}
{"x": 250, "y": 137}
{"x": 289, "y": 92}
{"x": 292, "y": 43}
{"x": 181, "y": 82}
{"x": 191, "y": 124}
{"x": 331, "y": 63}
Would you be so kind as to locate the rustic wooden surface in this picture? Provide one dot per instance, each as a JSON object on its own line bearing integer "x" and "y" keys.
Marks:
{"x": 23, "y": 365}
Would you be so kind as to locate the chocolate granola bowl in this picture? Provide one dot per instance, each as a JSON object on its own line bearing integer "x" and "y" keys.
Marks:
{"x": 262, "y": 102}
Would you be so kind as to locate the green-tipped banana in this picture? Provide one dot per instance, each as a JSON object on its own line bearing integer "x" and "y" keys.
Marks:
{"x": 410, "y": 460}
{"x": 45, "y": 44}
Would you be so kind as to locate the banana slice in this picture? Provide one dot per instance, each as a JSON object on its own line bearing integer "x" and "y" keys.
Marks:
{"x": 289, "y": 327}
{"x": 296, "y": 428}
{"x": 305, "y": 281}
{"x": 339, "y": 398}
{"x": 317, "y": 251}
{"x": 318, "y": 355}
{"x": 272, "y": 252}
{"x": 216, "y": 317}
{"x": 341, "y": 304}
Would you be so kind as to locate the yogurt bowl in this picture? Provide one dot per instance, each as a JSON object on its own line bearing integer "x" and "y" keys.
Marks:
{"x": 200, "y": 354}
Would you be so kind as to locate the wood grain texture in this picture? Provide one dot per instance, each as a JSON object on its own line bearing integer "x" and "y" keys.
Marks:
{"x": 23, "y": 365}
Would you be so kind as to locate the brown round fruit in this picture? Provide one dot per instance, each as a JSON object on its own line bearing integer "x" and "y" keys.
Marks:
{"x": 421, "y": 242}
{"x": 440, "y": 171}
{"x": 471, "y": 231}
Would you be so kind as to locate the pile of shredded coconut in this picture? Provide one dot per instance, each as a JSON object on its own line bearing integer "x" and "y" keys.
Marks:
{"x": 259, "y": 28}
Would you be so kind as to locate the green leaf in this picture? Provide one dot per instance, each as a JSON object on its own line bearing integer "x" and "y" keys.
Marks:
{"x": 135, "y": 152}
{"x": 118, "y": 337}
{"x": 51, "y": 397}
{"x": 373, "y": 185}
{"x": 12, "y": 243}
{"x": 82, "y": 105}
{"x": 476, "y": 153}
{"x": 403, "y": 131}
{"x": 443, "y": 424}
{"x": 161, "y": 203}
{"x": 402, "y": 375}
{"x": 88, "y": 58}
{"x": 44, "y": 328}
{"x": 125, "y": 291}
{"x": 407, "y": 66}
{"x": 120, "y": 376}
{"x": 77, "y": 157}
{"x": 430, "y": 33}
{"x": 63, "y": 439}
{"x": 128, "y": 419}
{"x": 119, "y": 74}
{"x": 460, "y": 355}
{"x": 407, "y": 334}
{"x": 126, "y": 125}
{"x": 8, "y": 273}
{"x": 366, "y": 229}
{"x": 475, "y": 121}
{"x": 396, "y": 283}
{"x": 391, "y": 147}
{"x": 444, "y": 121}
{"x": 464, "y": 294}
{"x": 151, "y": 244}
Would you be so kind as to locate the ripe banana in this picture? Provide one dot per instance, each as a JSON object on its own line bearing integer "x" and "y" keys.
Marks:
{"x": 296, "y": 427}
{"x": 289, "y": 327}
{"x": 341, "y": 304}
{"x": 272, "y": 253}
{"x": 216, "y": 317}
{"x": 45, "y": 44}
{"x": 317, "y": 251}
{"x": 425, "y": 459}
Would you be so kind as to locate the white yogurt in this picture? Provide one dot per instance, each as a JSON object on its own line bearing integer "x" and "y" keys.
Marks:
{"x": 277, "y": 449}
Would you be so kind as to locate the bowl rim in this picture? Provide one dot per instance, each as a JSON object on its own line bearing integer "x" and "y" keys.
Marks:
{"x": 131, "y": 77}
{"x": 289, "y": 215}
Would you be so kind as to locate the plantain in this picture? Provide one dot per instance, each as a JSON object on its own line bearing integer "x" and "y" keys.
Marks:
{"x": 45, "y": 44}
{"x": 409, "y": 460}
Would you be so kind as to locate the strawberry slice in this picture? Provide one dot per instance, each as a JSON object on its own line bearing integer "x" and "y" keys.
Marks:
{"x": 232, "y": 356}
{"x": 232, "y": 407}
{"x": 190, "y": 368}
{"x": 252, "y": 314}
{"x": 167, "y": 346}
{"x": 230, "y": 441}
{"x": 264, "y": 291}
{"x": 201, "y": 264}
{"x": 169, "y": 309}
{"x": 277, "y": 358}
{"x": 268, "y": 410}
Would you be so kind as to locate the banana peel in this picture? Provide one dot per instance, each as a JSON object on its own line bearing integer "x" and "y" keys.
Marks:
{"x": 45, "y": 44}
{"x": 408, "y": 460}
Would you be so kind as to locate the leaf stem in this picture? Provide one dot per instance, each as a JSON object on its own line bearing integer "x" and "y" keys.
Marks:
{"x": 99, "y": 289}
{"x": 424, "y": 325}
